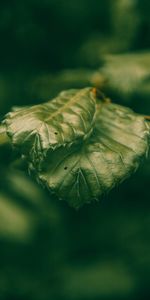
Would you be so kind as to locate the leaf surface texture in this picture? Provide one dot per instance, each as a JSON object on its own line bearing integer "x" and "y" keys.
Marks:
{"x": 79, "y": 146}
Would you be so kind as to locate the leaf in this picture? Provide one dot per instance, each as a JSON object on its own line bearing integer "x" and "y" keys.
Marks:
{"x": 64, "y": 120}
{"x": 128, "y": 75}
{"x": 97, "y": 145}
{"x": 85, "y": 171}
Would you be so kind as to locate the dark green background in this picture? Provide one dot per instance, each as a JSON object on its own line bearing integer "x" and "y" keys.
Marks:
{"x": 47, "y": 249}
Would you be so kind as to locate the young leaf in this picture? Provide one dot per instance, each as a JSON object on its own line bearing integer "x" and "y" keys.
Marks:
{"x": 86, "y": 170}
{"x": 64, "y": 120}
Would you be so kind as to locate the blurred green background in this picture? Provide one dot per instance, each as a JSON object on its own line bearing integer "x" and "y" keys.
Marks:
{"x": 47, "y": 249}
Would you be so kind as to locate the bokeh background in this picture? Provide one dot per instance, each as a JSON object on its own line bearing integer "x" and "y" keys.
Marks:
{"x": 47, "y": 249}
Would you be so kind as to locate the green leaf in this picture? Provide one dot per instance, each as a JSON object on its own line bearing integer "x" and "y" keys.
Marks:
{"x": 85, "y": 171}
{"x": 79, "y": 147}
{"x": 128, "y": 75}
{"x": 64, "y": 120}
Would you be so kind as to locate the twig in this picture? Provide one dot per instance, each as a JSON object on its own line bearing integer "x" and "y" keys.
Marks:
{"x": 147, "y": 118}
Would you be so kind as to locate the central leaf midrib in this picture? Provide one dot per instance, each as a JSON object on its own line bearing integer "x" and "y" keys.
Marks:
{"x": 66, "y": 105}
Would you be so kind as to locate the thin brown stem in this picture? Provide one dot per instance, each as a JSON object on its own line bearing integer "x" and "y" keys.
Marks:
{"x": 147, "y": 118}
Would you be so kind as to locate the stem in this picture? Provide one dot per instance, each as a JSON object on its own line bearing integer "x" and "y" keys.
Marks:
{"x": 147, "y": 118}
{"x": 4, "y": 139}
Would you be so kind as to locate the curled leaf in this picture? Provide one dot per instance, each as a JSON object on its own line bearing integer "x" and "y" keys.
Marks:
{"x": 77, "y": 146}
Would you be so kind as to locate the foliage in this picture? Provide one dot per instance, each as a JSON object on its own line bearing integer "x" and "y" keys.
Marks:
{"x": 76, "y": 143}
{"x": 47, "y": 249}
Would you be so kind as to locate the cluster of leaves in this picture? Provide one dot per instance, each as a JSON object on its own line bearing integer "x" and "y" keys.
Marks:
{"x": 79, "y": 144}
